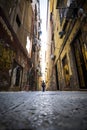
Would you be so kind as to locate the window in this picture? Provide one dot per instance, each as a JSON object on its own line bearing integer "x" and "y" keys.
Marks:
{"x": 51, "y": 16}
{"x": 57, "y": 4}
{"x": 18, "y": 21}
{"x": 61, "y": 14}
{"x": 35, "y": 12}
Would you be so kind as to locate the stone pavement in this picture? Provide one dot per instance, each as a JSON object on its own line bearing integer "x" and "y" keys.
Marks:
{"x": 60, "y": 110}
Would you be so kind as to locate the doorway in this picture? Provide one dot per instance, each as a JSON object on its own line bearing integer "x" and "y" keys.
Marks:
{"x": 57, "y": 82}
{"x": 78, "y": 51}
{"x": 66, "y": 71}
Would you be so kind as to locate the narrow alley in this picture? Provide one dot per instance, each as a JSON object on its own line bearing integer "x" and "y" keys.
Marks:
{"x": 43, "y": 64}
{"x": 43, "y": 110}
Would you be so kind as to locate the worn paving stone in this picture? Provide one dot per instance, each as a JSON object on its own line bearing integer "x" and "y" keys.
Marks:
{"x": 60, "y": 110}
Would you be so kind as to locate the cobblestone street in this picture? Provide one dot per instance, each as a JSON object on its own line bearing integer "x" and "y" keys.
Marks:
{"x": 59, "y": 110}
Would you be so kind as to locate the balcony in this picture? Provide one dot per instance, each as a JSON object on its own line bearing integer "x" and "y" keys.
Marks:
{"x": 71, "y": 10}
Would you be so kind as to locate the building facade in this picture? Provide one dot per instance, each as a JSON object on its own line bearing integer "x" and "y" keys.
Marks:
{"x": 16, "y": 43}
{"x": 50, "y": 70}
{"x": 36, "y": 43}
{"x": 70, "y": 42}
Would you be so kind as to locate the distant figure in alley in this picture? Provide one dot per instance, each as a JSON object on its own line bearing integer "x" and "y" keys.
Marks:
{"x": 43, "y": 86}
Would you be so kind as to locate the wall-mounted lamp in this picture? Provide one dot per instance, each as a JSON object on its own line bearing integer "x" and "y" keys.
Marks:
{"x": 61, "y": 33}
{"x": 53, "y": 56}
